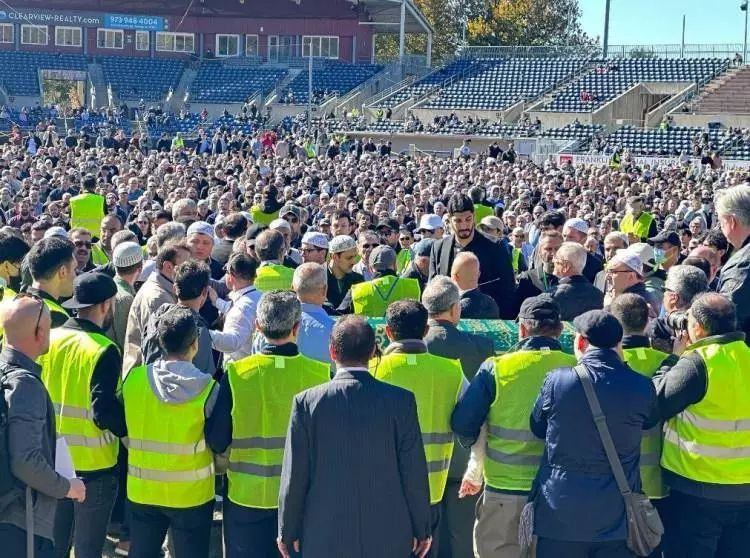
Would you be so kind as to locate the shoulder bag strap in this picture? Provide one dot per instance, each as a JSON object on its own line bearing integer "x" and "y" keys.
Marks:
{"x": 601, "y": 425}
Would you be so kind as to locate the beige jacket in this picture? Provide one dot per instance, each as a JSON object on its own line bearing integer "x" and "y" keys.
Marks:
{"x": 157, "y": 290}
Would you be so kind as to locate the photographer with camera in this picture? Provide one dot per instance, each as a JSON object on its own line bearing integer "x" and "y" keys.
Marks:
{"x": 683, "y": 284}
{"x": 705, "y": 400}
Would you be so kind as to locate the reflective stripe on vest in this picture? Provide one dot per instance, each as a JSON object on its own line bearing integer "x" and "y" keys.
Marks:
{"x": 372, "y": 298}
{"x": 168, "y": 462}
{"x": 87, "y": 211}
{"x": 274, "y": 277}
{"x": 639, "y": 227}
{"x": 646, "y": 361}
{"x": 513, "y": 452}
{"x": 710, "y": 440}
{"x": 263, "y": 389}
{"x": 67, "y": 370}
{"x": 436, "y": 383}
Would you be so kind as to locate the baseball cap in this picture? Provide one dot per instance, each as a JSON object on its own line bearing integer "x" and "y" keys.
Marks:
{"x": 200, "y": 227}
{"x": 629, "y": 259}
{"x": 56, "y": 231}
{"x": 541, "y": 307}
{"x": 293, "y": 209}
{"x": 382, "y": 257}
{"x": 277, "y": 224}
{"x": 341, "y": 243}
{"x": 600, "y": 328}
{"x": 645, "y": 253}
{"x": 317, "y": 239}
{"x": 388, "y": 223}
{"x": 127, "y": 254}
{"x": 423, "y": 247}
{"x": 91, "y": 288}
{"x": 666, "y": 236}
{"x": 577, "y": 224}
{"x": 430, "y": 222}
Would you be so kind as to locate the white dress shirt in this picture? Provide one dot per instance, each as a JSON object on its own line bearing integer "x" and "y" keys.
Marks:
{"x": 236, "y": 339}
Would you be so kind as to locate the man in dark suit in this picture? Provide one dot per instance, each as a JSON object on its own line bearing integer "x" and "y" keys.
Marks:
{"x": 475, "y": 305}
{"x": 441, "y": 298}
{"x": 354, "y": 478}
{"x": 496, "y": 279}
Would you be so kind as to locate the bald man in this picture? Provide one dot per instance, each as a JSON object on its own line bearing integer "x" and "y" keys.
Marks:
{"x": 711, "y": 255}
{"x": 475, "y": 305}
{"x": 31, "y": 431}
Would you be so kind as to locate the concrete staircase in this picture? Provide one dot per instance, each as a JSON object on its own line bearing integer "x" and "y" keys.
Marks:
{"x": 728, "y": 94}
{"x": 186, "y": 82}
{"x": 96, "y": 75}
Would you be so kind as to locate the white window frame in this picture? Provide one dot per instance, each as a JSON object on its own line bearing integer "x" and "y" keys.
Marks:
{"x": 37, "y": 28}
{"x": 256, "y": 38}
{"x": 110, "y": 33}
{"x": 3, "y": 27}
{"x": 316, "y": 42}
{"x": 140, "y": 34}
{"x": 73, "y": 30}
{"x": 174, "y": 36}
{"x": 226, "y": 35}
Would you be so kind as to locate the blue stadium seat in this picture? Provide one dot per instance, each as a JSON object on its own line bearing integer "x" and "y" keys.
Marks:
{"x": 142, "y": 78}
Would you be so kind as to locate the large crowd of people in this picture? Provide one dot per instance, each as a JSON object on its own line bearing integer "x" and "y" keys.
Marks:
{"x": 271, "y": 333}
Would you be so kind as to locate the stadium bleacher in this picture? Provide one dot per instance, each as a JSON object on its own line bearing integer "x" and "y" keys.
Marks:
{"x": 573, "y": 131}
{"x": 608, "y": 79}
{"x": 494, "y": 84}
{"x": 220, "y": 83}
{"x": 142, "y": 78}
{"x": 19, "y": 70}
{"x": 333, "y": 78}
{"x": 672, "y": 141}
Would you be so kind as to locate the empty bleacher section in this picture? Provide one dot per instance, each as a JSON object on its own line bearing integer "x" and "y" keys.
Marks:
{"x": 728, "y": 95}
{"x": 224, "y": 83}
{"x": 494, "y": 84}
{"x": 573, "y": 131}
{"x": 19, "y": 70}
{"x": 426, "y": 84}
{"x": 609, "y": 79}
{"x": 141, "y": 78}
{"x": 667, "y": 142}
{"x": 330, "y": 79}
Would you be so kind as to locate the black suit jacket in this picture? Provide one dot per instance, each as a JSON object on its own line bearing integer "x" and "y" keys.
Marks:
{"x": 496, "y": 275}
{"x": 475, "y": 305}
{"x": 576, "y": 295}
{"x": 354, "y": 479}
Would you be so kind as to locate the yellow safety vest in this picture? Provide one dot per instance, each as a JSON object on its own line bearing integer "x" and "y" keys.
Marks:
{"x": 87, "y": 211}
{"x": 98, "y": 255}
{"x": 262, "y": 218}
{"x": 67, "y": 369}
{"x": 372, "y": 298}
{"x": 274, "y": 277}
{"x": 178, "y": 143}
{"x": 402, "y": 260}
{"x": 55, "y": 308}
{"x": 513, "y": 452}
{"x": 169, "y": 464}
{"x": 263, "y": 389}
{"x": 646, "y": 361}
{"x": 516, "y": 260}
{"x": 481, "y": 211}
{"x": 436, "y": 384}
{"x": 710, "y": 440}
{"x": 639, "y": 227}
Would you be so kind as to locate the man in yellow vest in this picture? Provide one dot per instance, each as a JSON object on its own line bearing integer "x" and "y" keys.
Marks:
{"x": 81, "y": 372}
{"x": 436, "y": 383}
{"x": 502, "y": 394}
{"x": 251, "y": 419}
{"x": 371, "y": 298}
{"x": 171, "y": 479}
{"x": 272, "y": 273}
{"x": 705, "y": 400}
{"x": 53, "y": 269}
{"x": 638, "y": 224}
{"x": 101, "y": 252}
{"x": 88, "y": 208}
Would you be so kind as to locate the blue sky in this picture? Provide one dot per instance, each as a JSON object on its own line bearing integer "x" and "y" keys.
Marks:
{"x": 660, "y": 21}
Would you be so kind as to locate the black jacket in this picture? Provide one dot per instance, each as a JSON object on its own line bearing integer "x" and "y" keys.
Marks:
{"x": 532, "y": 283}
{"x": 734, "y": 283}
{"x": 412, "y": 272}
{"x": 475, "y": 305}
{"x": 337, "y": 289}
{"x": 496, "y": 277}
{"x": 594, "y": 265}
{"x": 576, "y": 295}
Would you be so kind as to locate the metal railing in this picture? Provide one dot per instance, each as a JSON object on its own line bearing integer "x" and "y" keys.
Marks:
{"x": 521, "y": 51}
{"x": 728, "y": 50}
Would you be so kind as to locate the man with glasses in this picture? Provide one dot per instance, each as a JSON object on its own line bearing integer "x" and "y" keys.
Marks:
{"x": 81, "y": 239}
{"x": 625, "y": 275}
{"x": 52, "y": 267}
{"x": 405, "y": 240}
{"x": 293, "y": 215}
{"x": 431, "y": 226}
{"x": 314, "y": 248}
{"x": 366, "y": 242}
{"x": 388, "y": 229}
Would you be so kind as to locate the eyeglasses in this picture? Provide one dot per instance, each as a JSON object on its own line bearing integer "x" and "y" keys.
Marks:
{"x": 315, "y": 249}
{"x": 41, "y": 306}
{"x": 405, "y": 239}
{"x": 292, "y": 220}
{"x": 370, "y": 245}
{"x": 82, "y": 244}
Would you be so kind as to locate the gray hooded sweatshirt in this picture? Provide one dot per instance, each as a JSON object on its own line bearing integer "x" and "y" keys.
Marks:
{"x": 178, "y": 381}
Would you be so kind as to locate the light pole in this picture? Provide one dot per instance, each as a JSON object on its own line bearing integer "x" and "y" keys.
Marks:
{"x": 743, "y": 7}
{"x": 605, "y": 42}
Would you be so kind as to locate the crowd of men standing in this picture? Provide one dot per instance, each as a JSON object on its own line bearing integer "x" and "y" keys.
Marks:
{"x": 188, "y": 360}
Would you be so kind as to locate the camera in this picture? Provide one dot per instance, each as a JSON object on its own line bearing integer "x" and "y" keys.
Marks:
{"x": 677, "y": 320}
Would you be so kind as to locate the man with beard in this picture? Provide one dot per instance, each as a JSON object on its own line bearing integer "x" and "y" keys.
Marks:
{"x": 496, "y": 279}
{"x": 81, "y": 372}
{"x": 101, "y": 252}
{"x": 23, "y": 214}
{"x": 81, "y": 239}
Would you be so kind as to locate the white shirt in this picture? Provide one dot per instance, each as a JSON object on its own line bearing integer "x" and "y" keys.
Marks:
{"x": 236, "y": 339}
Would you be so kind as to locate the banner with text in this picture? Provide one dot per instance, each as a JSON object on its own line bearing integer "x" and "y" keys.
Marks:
{"x": 601, "y": 160}
{"x": 84, "y": 19}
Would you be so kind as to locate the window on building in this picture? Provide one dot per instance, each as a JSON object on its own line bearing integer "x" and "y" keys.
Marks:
{"x": 68, "y": 36}
{"x": 227, "y": 45}
{"x": 6, "y": 32}
{"x": 34, "y": 34}
{"x": 142, "y": 40}
{"x": 109, "y": 38}
{"x": 323, "y": 47}
{"x": 175, "y": 42}
{"x": 251, "y": 45}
